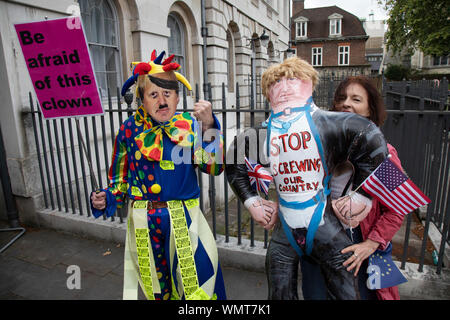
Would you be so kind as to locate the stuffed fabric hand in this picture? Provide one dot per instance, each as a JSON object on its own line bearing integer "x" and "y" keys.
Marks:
{"x": 264, "y": 212}
{"x": 273, "y": 219}
{"x": 352, "y": 209}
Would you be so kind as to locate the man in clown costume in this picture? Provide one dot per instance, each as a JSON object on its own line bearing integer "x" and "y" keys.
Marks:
{"x": 170, "y": 250}
{"x": 303, "y": 147}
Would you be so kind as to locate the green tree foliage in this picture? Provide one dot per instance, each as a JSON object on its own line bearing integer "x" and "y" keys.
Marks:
{"x": 418, "y": 24}
{"x": 396, "y": 72}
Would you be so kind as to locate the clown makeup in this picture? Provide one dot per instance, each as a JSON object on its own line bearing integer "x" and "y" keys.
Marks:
{"x": 289, "y": 92}
{"x": 160, "y": 103}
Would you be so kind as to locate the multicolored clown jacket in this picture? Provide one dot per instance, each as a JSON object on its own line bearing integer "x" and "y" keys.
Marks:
{"x": 153, "y": 161}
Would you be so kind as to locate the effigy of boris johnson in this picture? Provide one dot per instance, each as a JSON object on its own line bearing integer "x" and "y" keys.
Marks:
{"x": 302, "y": 146}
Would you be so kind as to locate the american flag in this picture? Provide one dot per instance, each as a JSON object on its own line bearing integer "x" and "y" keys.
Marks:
{"x": 260, "y": 178}
{"x": 394, "y": 189}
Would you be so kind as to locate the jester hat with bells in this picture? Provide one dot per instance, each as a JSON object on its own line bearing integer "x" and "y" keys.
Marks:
{"x": 153, "y": 67}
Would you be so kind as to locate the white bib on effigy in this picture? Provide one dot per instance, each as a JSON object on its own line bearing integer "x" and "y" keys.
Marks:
{"x": 296, "y": 166}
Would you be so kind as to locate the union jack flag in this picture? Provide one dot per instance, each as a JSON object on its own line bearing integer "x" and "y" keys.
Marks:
{"x": 394, "y": 189}
{"x": 260, "y": 178}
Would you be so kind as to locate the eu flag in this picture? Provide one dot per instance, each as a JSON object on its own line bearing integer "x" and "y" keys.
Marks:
{"x": 383, "y": 273}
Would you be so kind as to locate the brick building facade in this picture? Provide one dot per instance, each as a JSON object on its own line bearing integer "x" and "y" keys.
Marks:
{"x": 330, "y": 38}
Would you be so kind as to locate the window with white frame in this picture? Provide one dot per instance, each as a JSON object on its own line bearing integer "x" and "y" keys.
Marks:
{"x": 230, "y": 61}
{"x": 335, "y": 24}
{"x": 101, "y": 28}
{"x": 335, "y": 27}
{"x": 176, "y": 45}
{"x": 344, "y": 55}
{"x": 301, "y": 27}
{"x": 317, "y": 56}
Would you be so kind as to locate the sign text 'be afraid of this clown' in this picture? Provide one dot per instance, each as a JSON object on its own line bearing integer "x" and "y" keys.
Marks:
{"x": 57, "y": 58}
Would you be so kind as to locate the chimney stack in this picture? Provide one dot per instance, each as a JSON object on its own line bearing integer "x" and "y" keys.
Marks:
{"x": 297, "y": 6}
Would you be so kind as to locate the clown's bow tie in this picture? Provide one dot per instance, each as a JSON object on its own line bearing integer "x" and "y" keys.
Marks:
{"x": 150, "y": 142}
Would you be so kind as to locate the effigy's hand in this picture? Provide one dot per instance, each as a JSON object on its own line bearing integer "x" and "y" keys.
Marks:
{"x": 351, "y": 210}
{"x": 203, "y": 113}
{"x": 98, "y": 200}
{"x": 260, "y": 213}
{"x": 274, "y": 217}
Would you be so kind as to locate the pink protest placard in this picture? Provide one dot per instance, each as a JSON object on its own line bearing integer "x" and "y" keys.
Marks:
{"x": 60, "y": 67}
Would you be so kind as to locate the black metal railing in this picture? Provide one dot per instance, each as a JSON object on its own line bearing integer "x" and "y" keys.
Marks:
{"x": 420, "y": 136}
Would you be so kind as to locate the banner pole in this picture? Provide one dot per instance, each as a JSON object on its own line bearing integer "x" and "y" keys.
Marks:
{"x": 93, "y": 179}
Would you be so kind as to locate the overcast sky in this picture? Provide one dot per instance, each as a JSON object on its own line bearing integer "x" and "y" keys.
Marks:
{"x": 360, "y": 8}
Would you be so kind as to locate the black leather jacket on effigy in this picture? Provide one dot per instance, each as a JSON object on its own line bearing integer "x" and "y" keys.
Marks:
{"x": 344, "y": 136}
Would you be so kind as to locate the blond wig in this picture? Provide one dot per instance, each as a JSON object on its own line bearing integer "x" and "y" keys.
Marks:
{"x": 293, "y": 67}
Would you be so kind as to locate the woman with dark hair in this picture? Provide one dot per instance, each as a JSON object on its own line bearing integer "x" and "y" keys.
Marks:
{"x": 365, "y": 99}
{"x": 375, "y": 231}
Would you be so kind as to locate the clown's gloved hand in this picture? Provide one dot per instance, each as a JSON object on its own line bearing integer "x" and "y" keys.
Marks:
{"x": 264, "y": 212}
{"x": 352, "y": 209}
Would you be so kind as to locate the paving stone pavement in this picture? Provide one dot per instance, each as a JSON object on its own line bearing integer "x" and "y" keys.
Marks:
{"x": 36, "y": 267}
